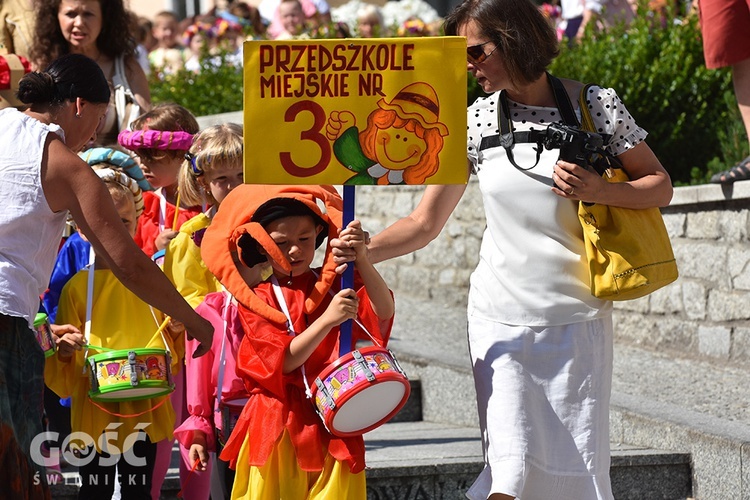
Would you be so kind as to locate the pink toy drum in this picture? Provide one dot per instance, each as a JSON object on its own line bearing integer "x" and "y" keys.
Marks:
{"x": 360, "y": 391}
{"x": 130, "y": 375}
{"x": 230, "y": 413}
{"x": 43, "y": 333}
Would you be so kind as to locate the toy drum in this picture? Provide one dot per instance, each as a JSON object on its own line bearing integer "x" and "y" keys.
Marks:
{"x": 230, "y": 413}
{"x": 130, "y": 374}
{"x": 43, "y": 333}
{"x": 360, "y": 391}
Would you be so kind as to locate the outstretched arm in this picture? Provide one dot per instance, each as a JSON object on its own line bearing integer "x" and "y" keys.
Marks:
{"x": 70, "y": 184}
{"x": 420, "y": 227}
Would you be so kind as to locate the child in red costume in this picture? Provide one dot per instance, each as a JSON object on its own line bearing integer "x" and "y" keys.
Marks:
{"x": 160, "y": 138}
{"x": 279, "y": 446}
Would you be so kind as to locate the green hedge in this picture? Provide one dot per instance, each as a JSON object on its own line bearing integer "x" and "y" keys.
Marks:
{"x": 656, "y": 66}
{"x": 217, "y": 89}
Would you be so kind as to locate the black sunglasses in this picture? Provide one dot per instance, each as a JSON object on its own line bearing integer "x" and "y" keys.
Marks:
{"x": 475, "y": 54}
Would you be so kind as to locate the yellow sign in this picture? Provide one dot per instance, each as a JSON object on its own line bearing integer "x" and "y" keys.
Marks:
{"x": 355, "y": 111}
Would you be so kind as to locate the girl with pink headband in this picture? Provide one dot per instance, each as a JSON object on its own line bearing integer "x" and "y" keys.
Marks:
{"x": 160, "y": 139}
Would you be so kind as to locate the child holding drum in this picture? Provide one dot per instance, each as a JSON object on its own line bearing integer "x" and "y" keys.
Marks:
{"x": 73, "y": 256}
{"x": 120, "y": 400}
{"x": 279, "y": 447}
{"x": 160, "y": 138}
{"x": 213, "y": 169}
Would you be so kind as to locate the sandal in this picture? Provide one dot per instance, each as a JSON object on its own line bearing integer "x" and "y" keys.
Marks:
{"x": 739, "y": 172}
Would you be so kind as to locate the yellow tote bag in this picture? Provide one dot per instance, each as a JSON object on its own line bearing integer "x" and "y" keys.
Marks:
{"x": 629, "y": 251}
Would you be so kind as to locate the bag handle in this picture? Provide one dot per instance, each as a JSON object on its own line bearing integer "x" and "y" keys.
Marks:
{"x": 587, "y": 123}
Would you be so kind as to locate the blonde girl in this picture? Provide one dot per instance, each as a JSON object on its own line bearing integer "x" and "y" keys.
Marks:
{"x": 212, "y": 169}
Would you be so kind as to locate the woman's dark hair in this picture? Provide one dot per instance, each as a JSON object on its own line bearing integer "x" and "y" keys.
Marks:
{"x": 524, "y": 38}
{"x": 67, "y": 77}
{"x": 115, "y": 39}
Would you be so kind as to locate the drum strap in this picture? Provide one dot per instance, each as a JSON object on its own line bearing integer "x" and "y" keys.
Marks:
{"x": 289, "y": 327}
{"x": 222, "y": 357}
{"x": 89, "y": 303}
{"x": 90, "y": 306}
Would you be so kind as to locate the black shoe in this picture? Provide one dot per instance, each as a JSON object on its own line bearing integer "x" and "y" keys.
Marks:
{"x": 739, "y": 172}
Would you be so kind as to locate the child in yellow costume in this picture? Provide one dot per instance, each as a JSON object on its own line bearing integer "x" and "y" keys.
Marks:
{"x": 122, "y": 436}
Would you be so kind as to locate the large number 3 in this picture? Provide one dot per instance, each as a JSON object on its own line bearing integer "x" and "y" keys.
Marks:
{"x": 312, "y": 134}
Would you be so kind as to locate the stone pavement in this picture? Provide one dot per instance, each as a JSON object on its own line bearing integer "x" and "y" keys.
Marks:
{"x": 659, "y": 399}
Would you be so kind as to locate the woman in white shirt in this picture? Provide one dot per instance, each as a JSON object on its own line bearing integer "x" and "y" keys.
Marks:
{"x": 540, "y": 343}
{"x": 41, "y": 180}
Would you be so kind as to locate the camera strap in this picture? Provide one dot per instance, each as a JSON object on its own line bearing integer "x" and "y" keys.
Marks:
{"x": 508, "y": 138}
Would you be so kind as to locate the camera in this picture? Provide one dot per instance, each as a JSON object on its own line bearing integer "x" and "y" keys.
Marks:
{"x": 576, "y": 145}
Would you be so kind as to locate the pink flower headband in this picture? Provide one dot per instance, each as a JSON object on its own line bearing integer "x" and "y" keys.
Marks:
{"x": 155, "y": 139}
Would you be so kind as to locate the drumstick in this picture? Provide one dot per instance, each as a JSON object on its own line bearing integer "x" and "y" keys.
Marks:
{"x": 163, "y": 325}
{"x": 176, "y": 211}
{"x": 99, "y": 348}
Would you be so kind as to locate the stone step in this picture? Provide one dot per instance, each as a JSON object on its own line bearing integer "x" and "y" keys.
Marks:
{"x": 412, "y": 410}
{"x": 423, "y": 460}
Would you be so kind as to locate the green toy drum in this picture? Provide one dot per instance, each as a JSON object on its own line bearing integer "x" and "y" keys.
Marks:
{"x": 130, "y": 374}
{"x": 43, "y": 333}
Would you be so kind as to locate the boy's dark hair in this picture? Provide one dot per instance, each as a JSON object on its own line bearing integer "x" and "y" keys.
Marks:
{"x": 271, "y": 211}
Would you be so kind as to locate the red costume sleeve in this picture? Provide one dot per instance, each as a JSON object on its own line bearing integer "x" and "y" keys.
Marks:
{"x": 278, "y": 401}
{"x": 148, "y": 223}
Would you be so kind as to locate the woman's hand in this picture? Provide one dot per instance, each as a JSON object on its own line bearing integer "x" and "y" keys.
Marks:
{"x": 577, "y": 183}
{"x": 355, "y": 239}
{"x": 203, "y": 332}
{"x": 342, "y": 249}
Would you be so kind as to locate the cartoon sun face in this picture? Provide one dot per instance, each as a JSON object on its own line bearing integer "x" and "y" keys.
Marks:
{"x": 398, "y": 149}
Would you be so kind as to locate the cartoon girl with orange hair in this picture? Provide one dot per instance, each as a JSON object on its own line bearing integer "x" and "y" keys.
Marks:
{"x": 400, "y": 144}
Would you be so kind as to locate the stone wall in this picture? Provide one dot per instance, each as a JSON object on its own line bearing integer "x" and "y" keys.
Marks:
{"x": 705, "y": 313}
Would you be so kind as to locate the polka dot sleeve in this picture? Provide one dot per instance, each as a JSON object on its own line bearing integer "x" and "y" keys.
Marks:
{"x": 611, "y": 117}
{"x": 481, "y": 120}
